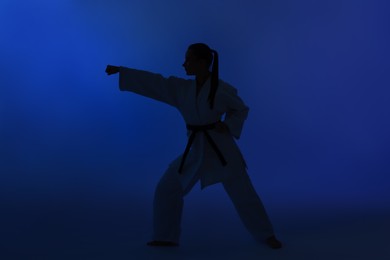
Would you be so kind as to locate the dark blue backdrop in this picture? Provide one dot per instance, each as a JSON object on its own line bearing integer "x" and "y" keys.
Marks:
{"x": 315, "y": 75}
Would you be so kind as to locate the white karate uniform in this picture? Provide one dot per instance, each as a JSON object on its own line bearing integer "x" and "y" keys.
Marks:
{"x": 202, "y": 161}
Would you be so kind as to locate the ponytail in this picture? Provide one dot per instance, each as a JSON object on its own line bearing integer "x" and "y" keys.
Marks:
{"x": 214, "y": 79}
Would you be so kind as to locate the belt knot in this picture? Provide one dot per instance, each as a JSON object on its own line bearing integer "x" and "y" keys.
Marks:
{"x": 196, "y": 129}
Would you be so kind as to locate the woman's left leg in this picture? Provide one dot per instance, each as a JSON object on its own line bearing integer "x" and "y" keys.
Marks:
{"x": 249, "y": 206}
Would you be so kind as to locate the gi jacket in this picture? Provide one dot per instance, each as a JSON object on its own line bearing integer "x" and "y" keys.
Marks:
{"x": 202, "y": 161}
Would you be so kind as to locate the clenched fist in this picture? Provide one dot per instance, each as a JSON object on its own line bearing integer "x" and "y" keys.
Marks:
{"x": 221, "y": 127}
{"x": 112, "y": 69}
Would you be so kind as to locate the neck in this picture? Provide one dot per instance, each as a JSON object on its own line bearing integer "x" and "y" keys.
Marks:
{"x": 201, "y": 78}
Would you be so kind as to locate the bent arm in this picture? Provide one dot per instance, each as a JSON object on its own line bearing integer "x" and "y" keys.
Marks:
{"x": 150, "y": 85}
{"x": 237, "y": 112}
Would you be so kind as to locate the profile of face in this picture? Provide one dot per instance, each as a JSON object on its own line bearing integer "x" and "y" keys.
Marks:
{"x": 193, "y": 65}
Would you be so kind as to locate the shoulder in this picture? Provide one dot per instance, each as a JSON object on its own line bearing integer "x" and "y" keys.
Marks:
{"x": 226, "y": 88}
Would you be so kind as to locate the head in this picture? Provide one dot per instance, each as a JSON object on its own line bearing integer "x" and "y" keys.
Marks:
{"x": 199, "y": 58}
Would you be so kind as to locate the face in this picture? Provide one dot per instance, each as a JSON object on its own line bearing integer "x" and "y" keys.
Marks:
{"x": 192, "y": 64}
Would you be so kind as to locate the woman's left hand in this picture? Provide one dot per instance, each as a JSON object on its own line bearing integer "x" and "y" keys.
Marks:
{"x": 221, "y": 127}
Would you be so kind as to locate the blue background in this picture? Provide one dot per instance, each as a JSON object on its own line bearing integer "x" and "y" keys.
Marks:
{"x": 80, "y": 159}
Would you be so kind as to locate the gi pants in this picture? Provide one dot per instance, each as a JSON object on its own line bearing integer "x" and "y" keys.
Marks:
{"x": 168, "y": 206}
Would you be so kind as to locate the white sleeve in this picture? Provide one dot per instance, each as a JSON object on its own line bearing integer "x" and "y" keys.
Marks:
{"x": 151, "y": 85}
{"x": 237, "y": 111}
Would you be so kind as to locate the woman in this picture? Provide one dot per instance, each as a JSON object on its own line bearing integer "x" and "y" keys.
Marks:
{"x": 211, "y": 154}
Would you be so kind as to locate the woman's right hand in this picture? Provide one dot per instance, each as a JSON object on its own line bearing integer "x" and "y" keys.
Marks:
{"x": 112, "y": 69}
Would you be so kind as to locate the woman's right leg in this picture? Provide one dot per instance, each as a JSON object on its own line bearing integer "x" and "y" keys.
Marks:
{"x": 168, "y": 206}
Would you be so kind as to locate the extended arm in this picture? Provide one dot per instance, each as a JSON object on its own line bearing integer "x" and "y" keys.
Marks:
{"x": 148, "y": 84}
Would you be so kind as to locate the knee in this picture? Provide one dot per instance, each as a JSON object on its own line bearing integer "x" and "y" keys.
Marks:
{"x": 168, "y": 187}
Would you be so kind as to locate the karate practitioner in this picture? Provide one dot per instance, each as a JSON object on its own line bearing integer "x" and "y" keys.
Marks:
{"x": 211, "y": 154}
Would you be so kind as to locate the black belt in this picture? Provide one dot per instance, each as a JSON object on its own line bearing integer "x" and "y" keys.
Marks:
{"x": 201, "y": 128}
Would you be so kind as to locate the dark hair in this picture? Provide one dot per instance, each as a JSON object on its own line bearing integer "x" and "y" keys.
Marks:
{"x": 202, "y": 51}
